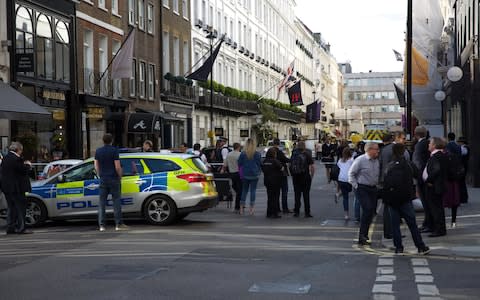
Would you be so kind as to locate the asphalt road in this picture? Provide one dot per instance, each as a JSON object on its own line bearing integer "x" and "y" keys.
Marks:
{"x": 220, "y": 255}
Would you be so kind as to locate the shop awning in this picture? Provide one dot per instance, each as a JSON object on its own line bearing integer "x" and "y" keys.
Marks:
{"x": 16, "y": 106}
{"x": 143, "y": 123}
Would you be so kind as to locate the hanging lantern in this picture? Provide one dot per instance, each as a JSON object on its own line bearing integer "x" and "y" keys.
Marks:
{"x": 440, "y": 95}
{"x": 454, "y": 74}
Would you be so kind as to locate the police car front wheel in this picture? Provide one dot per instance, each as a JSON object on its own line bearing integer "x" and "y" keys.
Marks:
{"x": 36, "y": 212}
{"x": 160, "y": 210}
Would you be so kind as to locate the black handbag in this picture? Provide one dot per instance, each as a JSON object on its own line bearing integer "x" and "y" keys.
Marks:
{"x": 335, "y": 172}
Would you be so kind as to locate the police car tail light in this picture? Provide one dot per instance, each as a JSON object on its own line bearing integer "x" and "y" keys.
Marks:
{"x": 193, "y": 177}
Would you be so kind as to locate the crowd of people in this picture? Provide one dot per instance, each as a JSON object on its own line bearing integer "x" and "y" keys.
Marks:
{"x": 433, "y": 170}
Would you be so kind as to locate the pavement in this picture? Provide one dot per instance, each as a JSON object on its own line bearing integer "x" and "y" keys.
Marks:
{"x": 462, "y": 242}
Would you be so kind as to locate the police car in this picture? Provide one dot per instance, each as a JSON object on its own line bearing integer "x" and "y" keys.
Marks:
{"x": 161, "y": 188}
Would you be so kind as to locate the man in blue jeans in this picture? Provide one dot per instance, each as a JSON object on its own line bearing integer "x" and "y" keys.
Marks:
{"x": 108, "y": 168}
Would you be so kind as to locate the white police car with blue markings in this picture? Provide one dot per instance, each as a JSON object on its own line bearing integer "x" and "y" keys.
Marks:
{"x": 158, "y": 187}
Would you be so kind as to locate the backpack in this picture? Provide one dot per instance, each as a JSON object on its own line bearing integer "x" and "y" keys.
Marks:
{"x": 298, "y": 163}
{"x": 455, "y": 167}
{"x": 398, "y": 183}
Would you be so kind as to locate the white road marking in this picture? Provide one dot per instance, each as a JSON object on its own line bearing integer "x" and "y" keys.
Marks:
{"x": 431, "y": 298}
{"x": 386, "y": 278}
{"x": 385, "y": 261}
{"x": 383, "y": 297}
{"x": 421, "y": 270}
{"x": 423, "y": 279}
{"x": 384, "y": 270}
{"x": 382, "y": 288}
{"x": 419, "y": 262}
{"x": 428, "y": 290}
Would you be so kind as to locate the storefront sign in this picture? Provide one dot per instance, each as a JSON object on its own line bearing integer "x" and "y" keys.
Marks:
{"x": 218, "y": 131}
{"x": 244, "y": 133}
{"x": 95, "y": 112}
{"x": 24, "y": 62}
{"x": 48, "y": 94}
{"x": 58, "y": 115}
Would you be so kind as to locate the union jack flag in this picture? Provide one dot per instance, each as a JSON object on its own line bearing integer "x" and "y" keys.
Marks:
{"x": 290, "y": 70}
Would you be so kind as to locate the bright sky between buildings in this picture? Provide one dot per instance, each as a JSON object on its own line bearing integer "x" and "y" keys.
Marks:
{"x": 363, "y": 32}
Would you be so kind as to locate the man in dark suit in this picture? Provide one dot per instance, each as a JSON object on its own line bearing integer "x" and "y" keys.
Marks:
{"x": 15, "y": 183}
{"x": 420, "y": 158}
{"x": 434, "y": 176}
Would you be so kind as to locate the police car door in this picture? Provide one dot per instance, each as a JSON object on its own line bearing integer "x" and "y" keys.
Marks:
{"x": 133, "y": 182}
{"x": 77, "y": 191}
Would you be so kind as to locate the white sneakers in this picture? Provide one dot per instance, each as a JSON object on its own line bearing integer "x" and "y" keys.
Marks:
{"x": 121, "y": 227}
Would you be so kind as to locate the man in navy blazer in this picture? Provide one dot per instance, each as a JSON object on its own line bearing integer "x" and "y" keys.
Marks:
{"x": 15, "y": 183}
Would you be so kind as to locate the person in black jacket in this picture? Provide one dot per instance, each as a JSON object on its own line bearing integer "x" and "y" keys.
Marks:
{"x": 435, "y": 177}
{"x": 272, "y": 170}
{"x": 284, "y": 179}
{"x": 398, "y": 194}
{"x": 15, "y": 183}
{"x": 420, "y": 156}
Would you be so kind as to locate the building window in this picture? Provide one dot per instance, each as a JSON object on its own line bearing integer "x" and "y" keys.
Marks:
{"x": 186, "y": 52}
{"x": 185, "y": 9}
{"x": 131, "y": 12}
{"x": 141, "y": 81}
{"x": 166, "y": 52}
{"x": 62, "y": 52}
{"x": 150, "y": 22}
{"x": 133, "y": 79}
{"x": 117, "y": 83}
{"x": 115, "y": 7}
{"x": 176, "y": 55}
{"x": 103, "y": 63}
{"x": 151, "y": 82}
{"x": 101, "y": 4}
{"x": 175, "y": 6}
{"x": 88, "y": 76}
{"x": 141, "y": 14}
{"x": 24, "y": 34}
{"x": 44, "y": 47}
{"x": 165, "y": 3}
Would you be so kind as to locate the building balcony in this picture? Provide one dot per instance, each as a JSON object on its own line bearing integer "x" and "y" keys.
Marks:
{"x": 289, "y": 116}
{"x": 179, "y": 93}
{"x": 227, "y": 104}
{"x": 106, "y": 87}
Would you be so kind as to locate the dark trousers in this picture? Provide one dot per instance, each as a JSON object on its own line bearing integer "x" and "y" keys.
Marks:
{"x": 273, "y": 197}
{"x": 427, "y": 221}
{"x": 284, "y": 188}
{"x": 301, "y": 186}
{"x": 463, "y": 190}
{"x": 387, "y": 224}
{"x": 406, "y": 212}
{"x": 367, "y": 196}
{"x": 237, "y": 187}
{"x": 16, "y": 212}
{"x": 435, "y": 204}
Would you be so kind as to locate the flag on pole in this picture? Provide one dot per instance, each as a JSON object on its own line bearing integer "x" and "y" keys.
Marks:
{"x": 398, "y": 56}
{"x": 294, "y": 91}
{"x": 202, "y": 73}
{"x": 122, "y": 62}
{"x": 290, "y": 70}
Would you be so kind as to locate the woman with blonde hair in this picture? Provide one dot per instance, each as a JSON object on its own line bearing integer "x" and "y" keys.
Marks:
{"x": 250, "y": 163}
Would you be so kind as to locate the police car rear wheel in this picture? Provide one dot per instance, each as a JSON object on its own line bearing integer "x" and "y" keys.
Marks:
{"x": 36, "y": 212}
{"x": 160, "y": 211}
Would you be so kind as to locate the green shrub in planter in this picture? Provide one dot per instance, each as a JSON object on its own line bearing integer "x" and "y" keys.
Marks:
{"x": 180, "y": 79}
{"x": 169, "y": 76}
{"x": 229, "y": 92}
{"x": 189, "y": 82}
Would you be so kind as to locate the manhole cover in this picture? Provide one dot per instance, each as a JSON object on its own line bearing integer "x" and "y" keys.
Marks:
{"x": 124, "y": 272}
{"x": 285, "y": 288}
